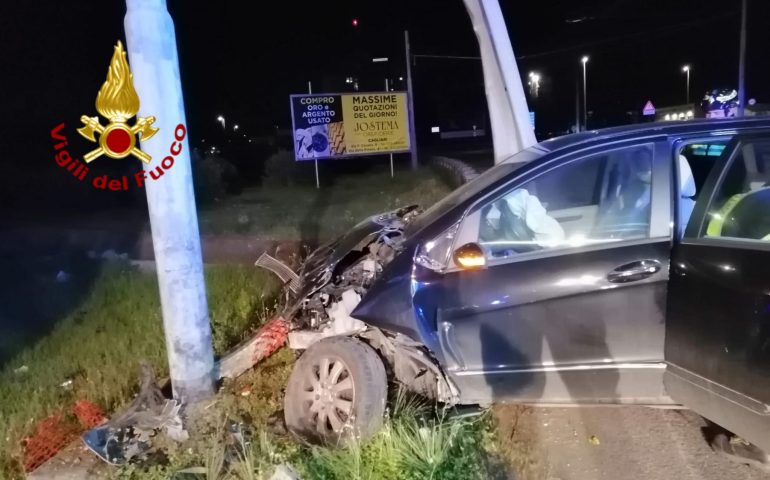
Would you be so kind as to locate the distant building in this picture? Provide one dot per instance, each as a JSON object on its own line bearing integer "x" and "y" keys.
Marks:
{"x": 678, "y": 112}
{"x": 690, "y": 111}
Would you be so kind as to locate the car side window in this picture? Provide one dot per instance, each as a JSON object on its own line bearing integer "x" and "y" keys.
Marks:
{"x": 701, "y": 158}
{"x": 740, "y": 207}
{"x": 597, "y": 199}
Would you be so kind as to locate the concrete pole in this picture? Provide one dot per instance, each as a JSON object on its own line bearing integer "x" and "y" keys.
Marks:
{"x": 742, "y": 64}
{"x": 585, "y": 96}
{"x": 154, "y": 62}
{"x": 410, "y": 101}
{"x": 506, "y": 100}
{"x": 577, "y": 105}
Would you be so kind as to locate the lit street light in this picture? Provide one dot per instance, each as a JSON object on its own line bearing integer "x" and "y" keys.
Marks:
{"x": 584, "y": 60}
{"x": 686, "y": 69}
{"x": 235, "y": 127}
{"x": 221, "y": 120}
{"x": 383, "y": 60}
{"x": 534, "y": 84}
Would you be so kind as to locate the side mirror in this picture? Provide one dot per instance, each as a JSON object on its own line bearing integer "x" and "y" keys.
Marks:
{"x": 469, "y": 256}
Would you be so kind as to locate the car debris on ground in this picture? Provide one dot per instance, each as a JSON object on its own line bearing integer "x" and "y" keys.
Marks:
{"x": 130, "y": 434}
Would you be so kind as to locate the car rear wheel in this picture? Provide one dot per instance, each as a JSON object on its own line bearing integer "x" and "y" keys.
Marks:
{"x": 336, "y": 391}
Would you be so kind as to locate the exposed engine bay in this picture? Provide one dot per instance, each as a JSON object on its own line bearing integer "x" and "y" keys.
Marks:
{"x": 327, "y": 310}
{"x": 335, "y": 277}
{"x": 331, "y": 283}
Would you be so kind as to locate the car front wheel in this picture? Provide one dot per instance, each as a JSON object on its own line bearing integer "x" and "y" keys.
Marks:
{"x": 336, "y": 391}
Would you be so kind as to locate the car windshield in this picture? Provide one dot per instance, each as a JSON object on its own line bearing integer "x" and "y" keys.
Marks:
{"x": 478, "y": 184}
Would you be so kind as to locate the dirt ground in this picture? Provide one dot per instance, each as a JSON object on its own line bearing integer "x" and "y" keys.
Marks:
{"x": 611, "y": 443}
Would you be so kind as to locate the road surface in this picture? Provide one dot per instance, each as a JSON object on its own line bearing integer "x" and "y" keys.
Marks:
{"x": 613, "y": 443}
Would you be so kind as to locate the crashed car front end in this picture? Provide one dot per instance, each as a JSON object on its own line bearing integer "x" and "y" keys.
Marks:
{"x": 323, "y": 300}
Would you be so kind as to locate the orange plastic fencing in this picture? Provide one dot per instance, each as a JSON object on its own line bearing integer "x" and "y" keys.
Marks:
{"x": 269, "y": 338}
{"x": 55, "y": 432}
{"x": 89, "y": 414}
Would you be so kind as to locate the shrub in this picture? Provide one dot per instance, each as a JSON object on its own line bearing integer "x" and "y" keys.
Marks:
{"x": 281, "y": 169}
{"x": 213, "y": 177}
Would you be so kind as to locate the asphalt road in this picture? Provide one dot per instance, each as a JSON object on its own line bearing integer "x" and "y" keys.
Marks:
{"x": 614, "y": 442}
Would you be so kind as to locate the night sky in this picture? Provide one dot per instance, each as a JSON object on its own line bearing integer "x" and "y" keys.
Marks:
{"x": 242, "y": 60}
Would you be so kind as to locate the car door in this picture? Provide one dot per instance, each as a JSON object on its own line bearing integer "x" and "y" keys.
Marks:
{"x": 569, "y": 305}
{"x": 718, "y": 321}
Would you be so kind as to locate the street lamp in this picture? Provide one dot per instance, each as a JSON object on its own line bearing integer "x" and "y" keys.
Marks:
{"x": 383, "y": 60}
{"x": 534, "y": 84}
{"x": 235, "y": 127}
{"x": 221, "y": 120}
{"x": 584, "y": 60}
{"x": 686, "y": 69}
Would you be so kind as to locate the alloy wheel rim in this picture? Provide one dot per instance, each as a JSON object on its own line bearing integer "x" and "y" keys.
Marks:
{"x": 329, "y": 390}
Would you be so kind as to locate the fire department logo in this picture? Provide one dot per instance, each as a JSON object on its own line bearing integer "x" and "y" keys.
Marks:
{"x": 118, "y": 102}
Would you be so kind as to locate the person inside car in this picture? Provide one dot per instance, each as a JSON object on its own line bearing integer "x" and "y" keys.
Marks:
{"x": 520, "y": 221}
{"x": 627, "y": 209}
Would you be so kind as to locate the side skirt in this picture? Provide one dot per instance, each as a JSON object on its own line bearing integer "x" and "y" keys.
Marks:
{"x": 630, "y": 383}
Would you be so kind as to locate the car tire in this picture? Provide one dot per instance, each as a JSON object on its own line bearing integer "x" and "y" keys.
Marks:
{"x": 336, "y": 391}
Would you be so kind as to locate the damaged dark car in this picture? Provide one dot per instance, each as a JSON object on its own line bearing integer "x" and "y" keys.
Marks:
{"x": 627, "y": 265}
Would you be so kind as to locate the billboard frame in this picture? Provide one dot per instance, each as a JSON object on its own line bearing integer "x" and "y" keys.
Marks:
{"x": 337, "y": 157}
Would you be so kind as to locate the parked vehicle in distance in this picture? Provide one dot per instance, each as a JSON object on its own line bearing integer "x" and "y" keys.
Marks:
{"x": 628, "y": 265}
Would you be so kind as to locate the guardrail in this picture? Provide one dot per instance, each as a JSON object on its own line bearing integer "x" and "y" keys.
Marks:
{"x": 454, "y": 171}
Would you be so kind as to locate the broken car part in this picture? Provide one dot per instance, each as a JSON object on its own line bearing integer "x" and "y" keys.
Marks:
{"x": 130, "y": 433}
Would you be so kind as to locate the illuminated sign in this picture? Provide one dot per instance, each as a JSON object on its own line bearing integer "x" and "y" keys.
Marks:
{"x": 649, "y": 108}
{"x": 348, "y": 124}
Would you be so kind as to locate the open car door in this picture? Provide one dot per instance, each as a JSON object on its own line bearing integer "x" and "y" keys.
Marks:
{"x": 718, "y": 320}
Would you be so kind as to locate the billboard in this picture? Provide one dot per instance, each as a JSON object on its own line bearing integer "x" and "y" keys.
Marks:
{"x": 337, "y": 125}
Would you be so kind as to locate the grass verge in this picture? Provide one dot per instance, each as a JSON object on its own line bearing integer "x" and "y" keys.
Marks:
{"x": 98, "y": 345}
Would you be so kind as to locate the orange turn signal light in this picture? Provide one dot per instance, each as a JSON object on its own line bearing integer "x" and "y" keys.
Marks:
{"x": 470, "y": 256}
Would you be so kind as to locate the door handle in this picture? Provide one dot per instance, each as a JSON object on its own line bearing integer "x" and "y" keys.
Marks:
{"x": 634, "y": 271}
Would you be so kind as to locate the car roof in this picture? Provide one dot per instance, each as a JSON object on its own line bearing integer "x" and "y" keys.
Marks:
{"x": 647, "y": 130}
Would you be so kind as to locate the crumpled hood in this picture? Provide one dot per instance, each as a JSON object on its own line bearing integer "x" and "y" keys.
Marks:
{"x": 318, "y": 268}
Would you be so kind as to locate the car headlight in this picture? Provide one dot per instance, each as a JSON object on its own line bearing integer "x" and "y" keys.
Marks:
{"x": 434, "y": 254}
